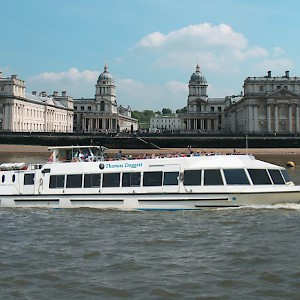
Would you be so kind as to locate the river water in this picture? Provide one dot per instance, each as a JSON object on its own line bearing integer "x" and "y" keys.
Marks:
{"x": 244, "y": 253}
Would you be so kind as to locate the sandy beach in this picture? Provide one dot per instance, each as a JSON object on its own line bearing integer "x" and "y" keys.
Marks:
{"x": 262, "y": 151}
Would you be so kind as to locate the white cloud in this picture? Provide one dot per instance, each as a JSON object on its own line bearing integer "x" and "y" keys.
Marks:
{"x": 77, "y": 84}
{"x": 72, "y": 75}
{"x": 197, "y": 36}
{"x": 216, "y": 48}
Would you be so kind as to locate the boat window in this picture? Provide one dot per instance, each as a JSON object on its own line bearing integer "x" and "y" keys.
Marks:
{"x": 192, "y": 177}
{"x": 92, "y": 180}
{"x": 3, "y": 178}
{"x": 111, "y": 180}
{"x": 29, "y": 179}
{"x": 131, "y": 179}
{"x": 152, "y": 178}
{"x": 259, "y": 176}
{"x": 276, "y": 177}
{"x": 212, "y": 177}
{"x": 235, "y": 176}
{"x": 171, "y": 178}
{"x": 13, "y": 178}
{"x": 285, "y": 175}
{"x": 74, "y": 181}
{"x": 57, "y": 181}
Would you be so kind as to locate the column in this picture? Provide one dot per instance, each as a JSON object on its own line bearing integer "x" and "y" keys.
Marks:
{"x": 290, "y": 119}
{"x": 255, "y": 121}
{"x": 250, "y": 119}
{"x": 275, "y": 119}
{"x": 269, "y": 119}
{"x": 297, "y": 118}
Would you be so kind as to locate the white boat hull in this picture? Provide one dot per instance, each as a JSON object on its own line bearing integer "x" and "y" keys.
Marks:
{"x": 151, "y": 202}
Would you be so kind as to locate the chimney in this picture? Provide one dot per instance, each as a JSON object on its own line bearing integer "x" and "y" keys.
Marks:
{"x": 269, "y": 73}
{"x": 13, "y": 76}
{"x": 64, "y": 93}
{"x": 287, "y": 74}
{"x": 0, "y": 74}
{"x": 34, "y": 93}
{"x": 44, "y": 94}
{"x": 55, "y": 93}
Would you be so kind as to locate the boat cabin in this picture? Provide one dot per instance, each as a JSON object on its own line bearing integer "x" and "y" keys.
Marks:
{"x": 76, "y": 153}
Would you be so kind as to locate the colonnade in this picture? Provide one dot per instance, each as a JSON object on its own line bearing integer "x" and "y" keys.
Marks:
{"x": 209, "y": 124}
{"x": 91, "y": 124}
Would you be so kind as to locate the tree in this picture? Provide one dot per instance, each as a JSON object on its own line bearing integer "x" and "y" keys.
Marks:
{"x": 166, "y": 111}
{"x": 182, "y": 110}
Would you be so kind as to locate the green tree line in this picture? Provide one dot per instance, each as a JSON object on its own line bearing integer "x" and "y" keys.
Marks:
{"x": 144, "y": 116}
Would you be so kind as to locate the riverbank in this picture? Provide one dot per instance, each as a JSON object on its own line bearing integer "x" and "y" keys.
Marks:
{"x": 260, "y": 151}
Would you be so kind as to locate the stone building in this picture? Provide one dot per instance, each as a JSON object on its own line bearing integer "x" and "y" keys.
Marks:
{"x": 270, "y": 105}
{"x": 204, "y": 114}
{"x": 102, "y": 114}
{"x": 20, "y": 111}
{"x": 166, "y": 123}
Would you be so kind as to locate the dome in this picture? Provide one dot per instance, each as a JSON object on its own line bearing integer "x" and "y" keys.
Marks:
{"x": 197, "y": 77}
{"x": 105, "y": 76}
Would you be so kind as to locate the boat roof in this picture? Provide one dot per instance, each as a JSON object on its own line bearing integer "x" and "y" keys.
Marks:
{"x": 102, "y": 148}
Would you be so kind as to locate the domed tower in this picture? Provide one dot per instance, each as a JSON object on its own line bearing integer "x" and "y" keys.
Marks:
{"x": 197, "y": 85}
{"x": 106, "y": 92}
{"x": 197, "y": 91}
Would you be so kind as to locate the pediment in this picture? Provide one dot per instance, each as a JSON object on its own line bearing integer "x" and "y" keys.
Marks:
{"x": 198, "y": 101}
{"x": 283, "y": 93}
{"x": 50, "y": 101}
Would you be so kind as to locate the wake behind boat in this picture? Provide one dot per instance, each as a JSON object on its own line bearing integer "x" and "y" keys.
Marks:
{"x": 82, "y": 176}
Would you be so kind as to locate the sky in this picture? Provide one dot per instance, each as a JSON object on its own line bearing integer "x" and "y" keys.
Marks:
{"x": 151, "y": 47}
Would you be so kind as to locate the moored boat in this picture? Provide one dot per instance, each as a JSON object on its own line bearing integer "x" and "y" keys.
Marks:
{"x": 82, "y": 176}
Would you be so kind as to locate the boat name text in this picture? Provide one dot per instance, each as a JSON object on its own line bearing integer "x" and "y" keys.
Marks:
{"x": 123, "y": 165}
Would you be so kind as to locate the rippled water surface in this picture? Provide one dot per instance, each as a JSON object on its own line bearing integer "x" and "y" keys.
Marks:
{"x": 246, "y": 253}
{"x": 95, "y": 254}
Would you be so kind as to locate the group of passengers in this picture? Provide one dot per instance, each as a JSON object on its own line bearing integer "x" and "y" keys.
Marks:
{"x": 189, "y": 153}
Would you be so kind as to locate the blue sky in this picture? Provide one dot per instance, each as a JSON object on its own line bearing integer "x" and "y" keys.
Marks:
{"x": 151, "y": 46}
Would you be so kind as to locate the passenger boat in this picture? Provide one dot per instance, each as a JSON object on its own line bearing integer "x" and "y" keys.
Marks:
{"x": 82, "y": 176}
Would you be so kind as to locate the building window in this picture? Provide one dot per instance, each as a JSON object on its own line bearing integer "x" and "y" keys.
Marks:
{"x": 82, "y": 107}
{"x": 102, "y": 106}
{"x": 278, "y": 87}
{"x": 212, "y": 109}
{"x": 2, "y": 88}
{"x": 75, "y": 107}
{"x": 219, "y": 108}
{"x": 261, "y": 88}
{"x": 89, "y": 108}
